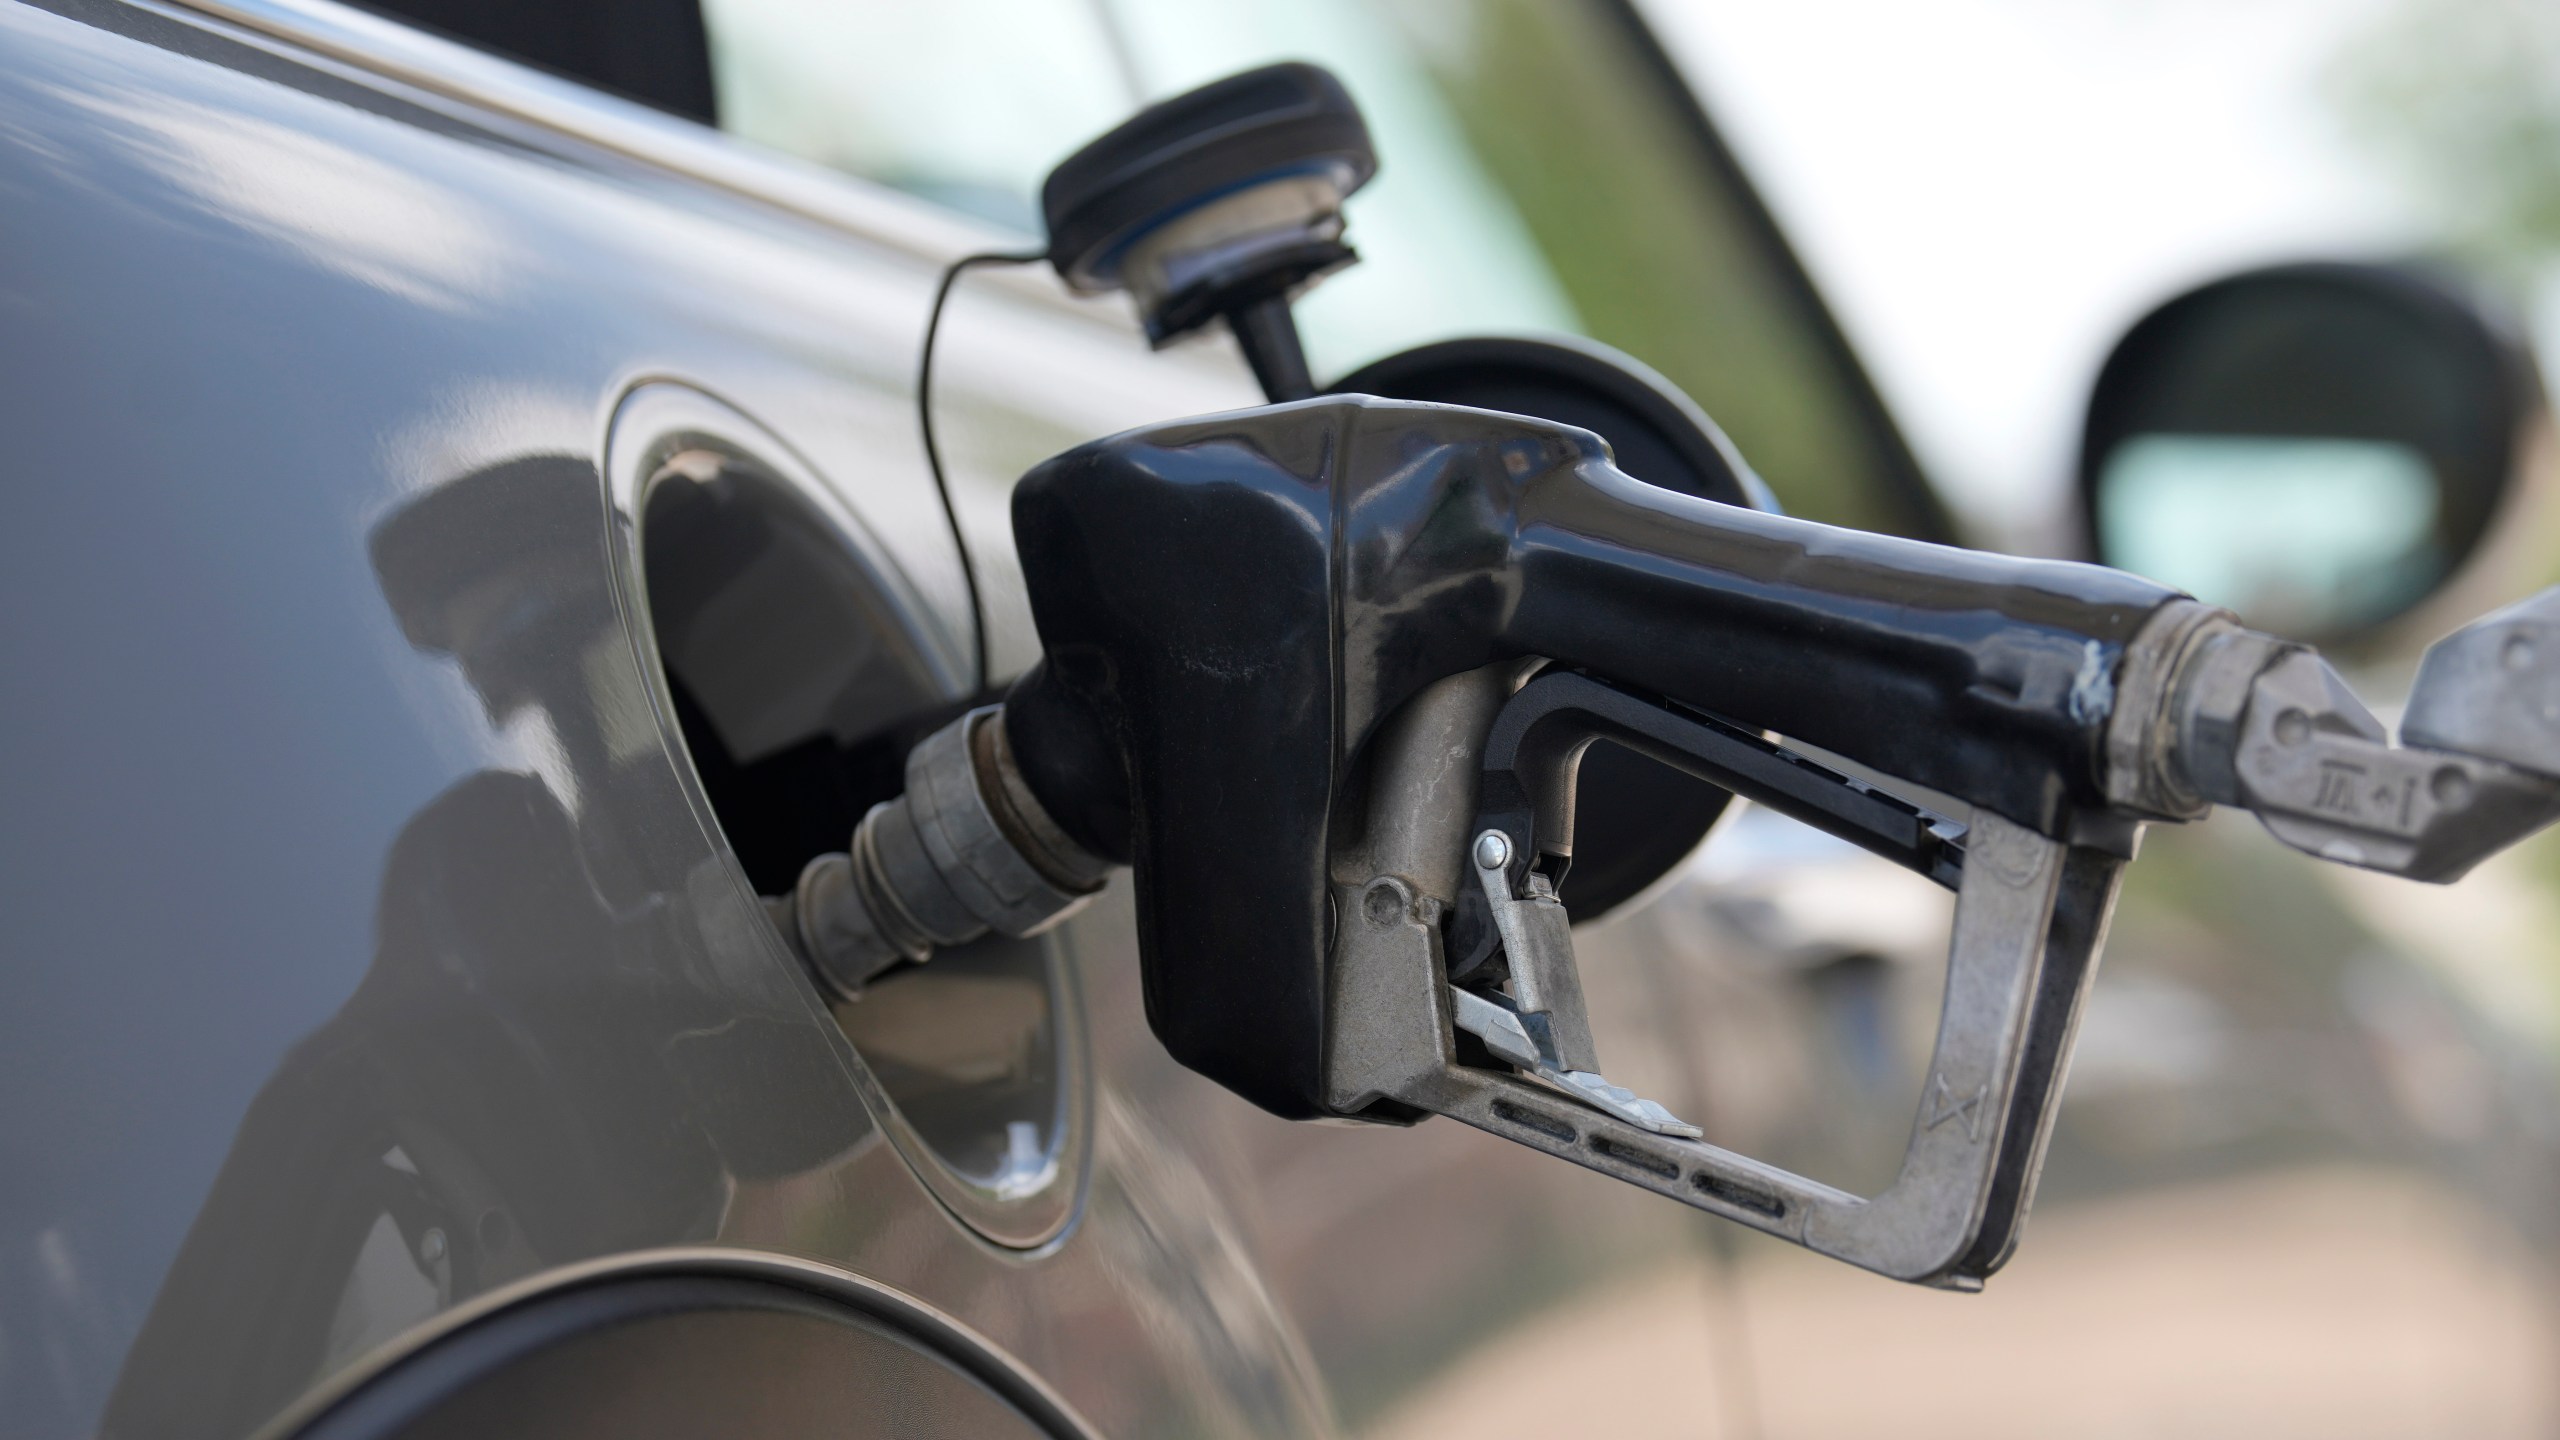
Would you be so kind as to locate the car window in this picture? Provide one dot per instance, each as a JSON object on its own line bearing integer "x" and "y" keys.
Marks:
{"x": 966, "y": 102}
{"x": 1535, "y": 177}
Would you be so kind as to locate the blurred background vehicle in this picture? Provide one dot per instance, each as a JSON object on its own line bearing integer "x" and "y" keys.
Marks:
{"x": 2308, "y": 1167}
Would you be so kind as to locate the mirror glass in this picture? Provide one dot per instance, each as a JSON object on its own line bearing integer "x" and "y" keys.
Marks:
{"x": 2302, "y": 535}
{"x": 2317, "y": 447}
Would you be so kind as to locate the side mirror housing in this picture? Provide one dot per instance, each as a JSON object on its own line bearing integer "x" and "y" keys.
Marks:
{"x": 2317, "y": 446}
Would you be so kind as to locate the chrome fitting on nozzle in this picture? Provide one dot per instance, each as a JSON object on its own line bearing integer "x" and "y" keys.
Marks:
{"x": 966, "y": 850}
{"x": 2214, "y": 714}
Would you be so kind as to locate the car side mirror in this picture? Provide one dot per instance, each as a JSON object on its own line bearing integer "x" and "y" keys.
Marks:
{"x": 2317, "y": 446}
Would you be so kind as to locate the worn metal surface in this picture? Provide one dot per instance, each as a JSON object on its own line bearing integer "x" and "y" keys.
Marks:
{"x": 2216, "y": 713}
{"x": 2142, "y": 735}
{"x": 2030, "y": 917}
{"x": 2492, "y": 688}
{"x": 2322, "y": 773}
{"x": 1539, "y": 945}
{"x": 1409, "y": 864}
{"x": 936, "y": 867}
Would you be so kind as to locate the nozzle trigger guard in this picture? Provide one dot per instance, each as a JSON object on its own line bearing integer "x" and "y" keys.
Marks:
{"x": 2030, "y": 914}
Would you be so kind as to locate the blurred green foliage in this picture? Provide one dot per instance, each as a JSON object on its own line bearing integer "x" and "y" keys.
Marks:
{"x": 2463, "y": 97}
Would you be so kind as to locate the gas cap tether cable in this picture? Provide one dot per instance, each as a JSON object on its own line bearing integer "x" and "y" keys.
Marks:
{"x": 933, "y": 451}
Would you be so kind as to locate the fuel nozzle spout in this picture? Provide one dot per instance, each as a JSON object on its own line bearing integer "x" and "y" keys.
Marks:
{"x": 2215, "y": 714}
{"x": 965, "y": 851}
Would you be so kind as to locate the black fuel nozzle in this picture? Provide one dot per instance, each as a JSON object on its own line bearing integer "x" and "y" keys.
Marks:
{"x": 1232, "y": 606}
{"x": 1321, "y": 674}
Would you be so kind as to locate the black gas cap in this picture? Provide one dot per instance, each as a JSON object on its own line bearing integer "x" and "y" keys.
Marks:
{"x": 1221, "y": 202}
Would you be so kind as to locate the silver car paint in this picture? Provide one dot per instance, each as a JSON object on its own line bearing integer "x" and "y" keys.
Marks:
{"x": 316, "y": 877}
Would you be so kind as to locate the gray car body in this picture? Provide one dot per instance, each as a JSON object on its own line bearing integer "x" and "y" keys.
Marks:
{"x": 331, "y": 857}
{"x": 293, "y": 888}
